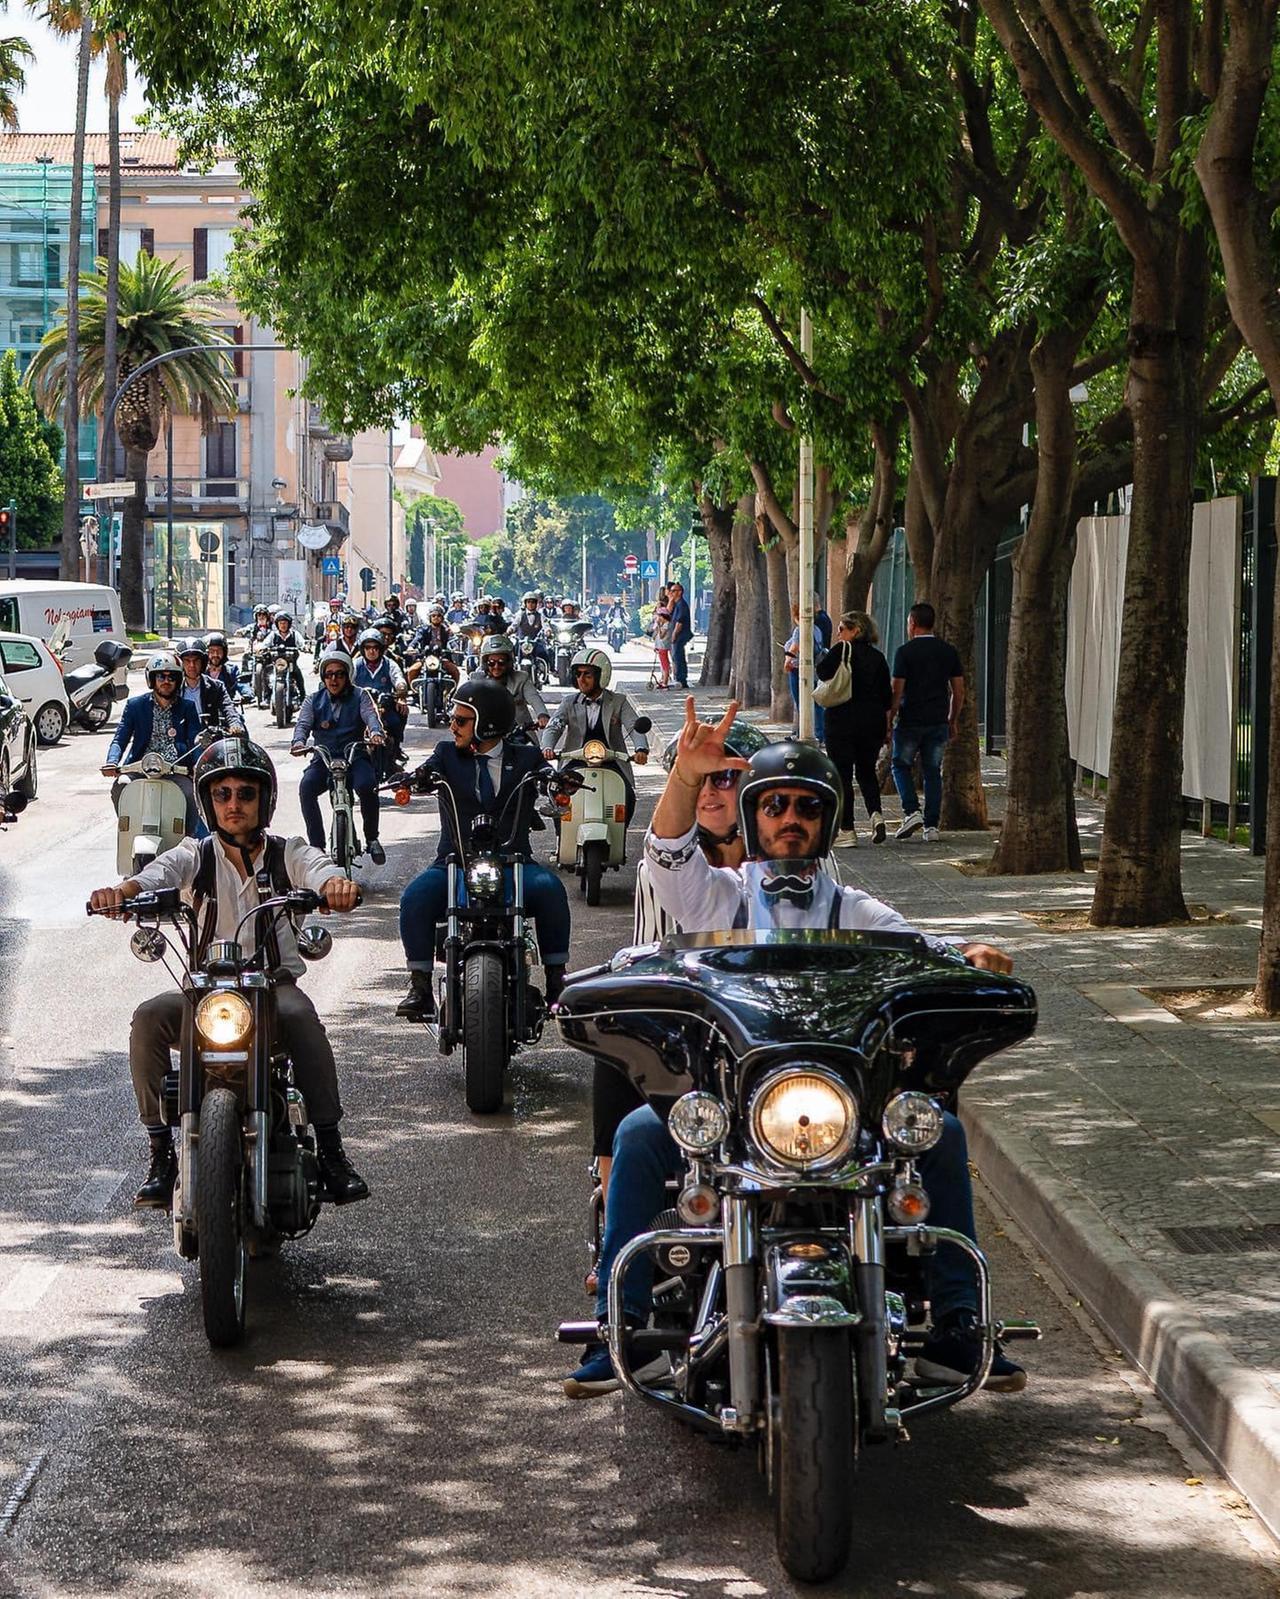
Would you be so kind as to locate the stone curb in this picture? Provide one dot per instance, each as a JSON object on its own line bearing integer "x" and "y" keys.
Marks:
{"x": 1227, "y": 1407}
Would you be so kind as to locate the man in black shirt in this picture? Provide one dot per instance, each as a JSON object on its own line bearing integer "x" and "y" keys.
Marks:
{"x": 928, "y": 693}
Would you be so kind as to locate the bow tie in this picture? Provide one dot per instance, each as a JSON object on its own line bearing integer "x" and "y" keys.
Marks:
{"x": 798, "y": 890}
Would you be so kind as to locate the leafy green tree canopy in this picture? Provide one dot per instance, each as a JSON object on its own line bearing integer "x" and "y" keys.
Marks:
{"x": 30, "y": 448}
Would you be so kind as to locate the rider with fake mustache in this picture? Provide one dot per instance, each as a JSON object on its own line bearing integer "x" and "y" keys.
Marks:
{"x": 789, "y": 803}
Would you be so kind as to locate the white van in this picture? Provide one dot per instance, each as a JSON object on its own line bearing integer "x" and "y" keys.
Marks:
{"x": 35, "y": 607}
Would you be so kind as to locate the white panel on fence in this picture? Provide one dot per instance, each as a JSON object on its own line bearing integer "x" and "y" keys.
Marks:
{"x": 1213, "y": 644}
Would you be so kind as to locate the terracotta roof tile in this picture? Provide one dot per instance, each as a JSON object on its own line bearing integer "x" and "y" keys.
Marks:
{"x": 152, "y": 151}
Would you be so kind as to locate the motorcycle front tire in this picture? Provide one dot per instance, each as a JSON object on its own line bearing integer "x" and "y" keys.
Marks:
{"x": 593, "y": 859}
{"x": 435, "y": 706}
{"x": 340, "y": 851}
{"x": 280, "y": 706}
{"x": 220, "y": 1202}
{"x": 564, "y": 675}
{"x": 815, "y": 1452}
{"x": 484, "y": 1031}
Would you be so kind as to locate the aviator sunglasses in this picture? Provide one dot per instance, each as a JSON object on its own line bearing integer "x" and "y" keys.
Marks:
{"x": 725, "y": 779}
{"x": 807, "y": 806}
{"x": 243, "y": 792}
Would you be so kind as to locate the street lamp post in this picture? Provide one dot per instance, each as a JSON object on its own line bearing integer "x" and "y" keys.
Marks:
{"x": 805, "y": 681}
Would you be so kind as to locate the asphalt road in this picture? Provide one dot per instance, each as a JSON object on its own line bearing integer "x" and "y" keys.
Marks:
{"x": 394, "y": 1424}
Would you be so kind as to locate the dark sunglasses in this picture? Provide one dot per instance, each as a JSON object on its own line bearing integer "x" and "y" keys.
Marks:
{"x": 461, "y": 721}
{"x": 167, "y": 677}
{"x": 336, "y": 672}
{"x": 242, "y": 792}
{"x": 726, "y": 779}
{"x": 808, "y": 806}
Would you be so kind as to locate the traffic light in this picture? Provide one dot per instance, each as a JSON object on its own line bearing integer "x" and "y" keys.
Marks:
{"x": 8, "y": 522}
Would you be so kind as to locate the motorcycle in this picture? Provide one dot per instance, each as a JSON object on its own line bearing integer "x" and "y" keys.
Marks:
{"x": 592, "y": 822}
{"x": 569, "y": 637}
{"x": 534, "y": 663}
{"x": 617, "y": 636}
{"x": 486, "y": 1003}
{"x": 344, "y": 842}
{"x": 802, "y": 1074}
{"x": 152, "y": 810}
{"x": 248, "y": 1176}
{"x": 435, "y": 688}
{"x": 94, "y": 688}
{"x": 285, "y": 698}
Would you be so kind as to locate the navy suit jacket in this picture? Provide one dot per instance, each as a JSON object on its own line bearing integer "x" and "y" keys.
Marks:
{"x": 461, "y": 772}
{"x": 134, "y": 732}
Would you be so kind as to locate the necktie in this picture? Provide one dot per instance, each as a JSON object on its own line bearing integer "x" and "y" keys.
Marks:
{"x": 484, "y": 784}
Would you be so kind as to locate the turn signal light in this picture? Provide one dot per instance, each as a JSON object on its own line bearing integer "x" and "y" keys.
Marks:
{"x": 908, "y": 1204}
{"x": 619, "y": 813}
{"x": 402, "y": 796}
{"x": 563, "y": 802}
{"x": 698, "y": 1205}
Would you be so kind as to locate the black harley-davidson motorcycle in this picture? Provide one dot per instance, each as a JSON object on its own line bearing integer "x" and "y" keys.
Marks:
{"x": 486, "y": 1004}
{"x": 802, "y": 1075}
{"x": 248, "y": 1177}
{"x": 434, "y": 688}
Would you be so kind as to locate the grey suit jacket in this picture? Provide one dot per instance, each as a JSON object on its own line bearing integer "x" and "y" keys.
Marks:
{"x": 617, "y": 717}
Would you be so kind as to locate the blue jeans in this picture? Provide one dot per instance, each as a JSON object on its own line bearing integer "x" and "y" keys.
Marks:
{"x": 645, "y": 1155}
{"x": 425, "y": 903}
{"x": 679, "y": 665}
{"x": 315, "y": 781}
{"x": 819, "y": 711}
{"x": 929, "y": 743}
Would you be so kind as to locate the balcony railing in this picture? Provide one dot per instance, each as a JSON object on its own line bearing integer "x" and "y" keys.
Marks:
{"x": 215, "y": 492}
{"x": 334, "y": 514}
{"x": 317, "y": 427}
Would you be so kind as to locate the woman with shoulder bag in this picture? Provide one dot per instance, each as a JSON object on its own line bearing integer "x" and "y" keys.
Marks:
{"x": 857, "y": 724}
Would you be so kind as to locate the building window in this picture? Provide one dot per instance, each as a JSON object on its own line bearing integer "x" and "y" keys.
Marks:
{"x": 211, "y": 249}
{"x": 221, "y": 465}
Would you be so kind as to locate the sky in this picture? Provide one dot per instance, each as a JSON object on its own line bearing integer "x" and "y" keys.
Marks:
{"x": 48, "y": 103}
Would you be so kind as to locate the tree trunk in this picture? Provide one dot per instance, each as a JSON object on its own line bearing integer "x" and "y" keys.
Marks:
{"x": 717, "y": 659}
{"x": 132, "y": 525}
{"x": 919, "y": 531}
{"x": 780, "y": 707}
{"x": 875, "y": 525}
{"x": 1040, "y": 832}
{"x": 110, "y": 338}
{"x": 839, "y": 554}
{"x": 964, "y": 801}
{"x": 751, "y": 682}
{"x": 69, "y": 552}
{"x": 1140, "y": 872}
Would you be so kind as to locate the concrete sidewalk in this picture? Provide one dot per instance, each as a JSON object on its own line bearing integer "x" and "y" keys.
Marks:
{"x": 1140, "y": 1151}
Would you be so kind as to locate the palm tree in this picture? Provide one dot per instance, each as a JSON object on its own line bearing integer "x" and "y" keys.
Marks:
{"x": 158, "y": 313}
{"x": 117, "y": 81}
{"x": 13, "y": 52}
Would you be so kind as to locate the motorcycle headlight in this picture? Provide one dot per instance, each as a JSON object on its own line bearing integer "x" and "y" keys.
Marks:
{"x": 281, "y": 664}
{"x": 913, "y": 1122}
{"x": 484, "y": 879}
{"x": 224, "y": 1019}
{"x": 432, "y": 663}
{"x": 804, "y": 1119}
{"x": 595, "y": 752}
{"x": 698, "y": 1122}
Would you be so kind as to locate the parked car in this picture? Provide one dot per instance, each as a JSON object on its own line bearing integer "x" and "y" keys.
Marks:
{"x": 91, "y": 612}
{"x": 17, "y": 746}
{"x": 33, "y": 673}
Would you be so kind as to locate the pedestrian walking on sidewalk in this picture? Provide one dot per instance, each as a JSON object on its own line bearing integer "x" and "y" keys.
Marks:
{"x": 661, "y": 630}
{"x": 681, "y": 633}
{"x": 858, "y": 728}
{"x": 928, "y": 696}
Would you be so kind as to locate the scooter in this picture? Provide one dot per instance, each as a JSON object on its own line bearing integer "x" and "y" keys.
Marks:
{"x": 534, "y": 663}
{"x": 152, "y": 811}
{"x": 94, "y": 688}
{"x": 592, "y": 820}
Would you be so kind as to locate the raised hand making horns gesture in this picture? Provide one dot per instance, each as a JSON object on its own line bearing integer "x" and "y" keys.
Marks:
{"x": 700, "y": 750}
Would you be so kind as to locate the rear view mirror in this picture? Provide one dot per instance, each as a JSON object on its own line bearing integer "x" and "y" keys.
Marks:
{"x": 314, "y": 943}
{"x": 642, "y": 724}
{"x": 14, "y": 803}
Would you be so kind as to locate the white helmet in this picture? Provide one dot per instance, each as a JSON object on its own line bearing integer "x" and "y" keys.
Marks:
{"x": 597, "y": 658}
{"x": 161, "y": 661}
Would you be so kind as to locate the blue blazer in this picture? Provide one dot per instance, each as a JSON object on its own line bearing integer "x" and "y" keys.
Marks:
{"x": 134, "y": 732}
{"x": 461, "y": 773}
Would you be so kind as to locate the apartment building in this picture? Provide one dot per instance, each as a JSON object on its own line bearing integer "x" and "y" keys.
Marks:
{"x": 270, "y": 504}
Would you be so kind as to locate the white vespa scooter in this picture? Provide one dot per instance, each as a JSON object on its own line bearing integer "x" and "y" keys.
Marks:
{"x": 151, "y": 811}
{"x": 593, "y": 819}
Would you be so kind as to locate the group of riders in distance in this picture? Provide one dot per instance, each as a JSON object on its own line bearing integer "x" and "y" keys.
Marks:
{"x": 781, "y": 1236}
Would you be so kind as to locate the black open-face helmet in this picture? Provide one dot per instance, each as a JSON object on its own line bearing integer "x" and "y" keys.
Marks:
{"x": 743, "y": 739}
{"x": 235, "y": 758}
{"x": 196, "y": 647}
{"x": 789, "y": 764}
{"x": 494, "y": 706}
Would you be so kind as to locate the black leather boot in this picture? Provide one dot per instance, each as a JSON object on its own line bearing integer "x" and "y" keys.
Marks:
{"x": 554, "y": 982}
{"x": 342, "y": 1181}
{"x": 419, "y": 1004}
{"x": 156, "y": 1192}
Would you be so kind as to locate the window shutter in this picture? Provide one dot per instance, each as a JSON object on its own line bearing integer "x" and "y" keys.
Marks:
{"x": 148, "y": 240}
{"x": 200, "y": 247}
{"x": 103, "y": 235}
{"x": 237, "y": 333}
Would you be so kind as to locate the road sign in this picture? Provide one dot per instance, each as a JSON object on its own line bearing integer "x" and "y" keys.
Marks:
{"x": 208, "y": 540}
{"x": 649, "y": 570}
{"x": 395, "y": 588}
{"x": 108, "y": 491}
{"x": 630, "y": 563}
{"x": 331, "y": 566}
{"x": 366, "y": 578}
